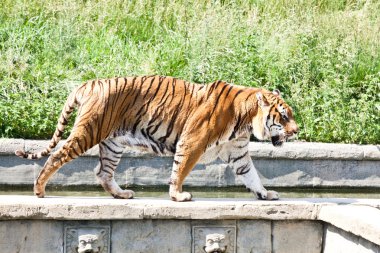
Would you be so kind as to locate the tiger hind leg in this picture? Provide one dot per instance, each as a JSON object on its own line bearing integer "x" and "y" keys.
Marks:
{"x": 73, "y": 148}
{"x": 110, "y": 152}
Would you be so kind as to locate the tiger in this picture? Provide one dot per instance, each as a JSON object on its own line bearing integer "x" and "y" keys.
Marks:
{"x": 195, "y": 123}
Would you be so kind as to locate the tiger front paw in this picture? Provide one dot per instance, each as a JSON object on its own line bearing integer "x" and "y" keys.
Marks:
{"x": 181, "y": 196}
{"x": 267, "y": 195}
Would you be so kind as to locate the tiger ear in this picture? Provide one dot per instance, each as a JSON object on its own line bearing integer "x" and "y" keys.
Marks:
{"x": 277, "y": 93}
{"x": 261, "y": 100}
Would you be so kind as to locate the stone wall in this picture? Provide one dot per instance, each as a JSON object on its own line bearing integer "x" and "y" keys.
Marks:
{"x": 134, "y": 236}
{"x": 295, "y": 164}
{"x": 57, "y": 224}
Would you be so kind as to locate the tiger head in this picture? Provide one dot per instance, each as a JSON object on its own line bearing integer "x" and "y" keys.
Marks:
{"x": 277, "y": 118}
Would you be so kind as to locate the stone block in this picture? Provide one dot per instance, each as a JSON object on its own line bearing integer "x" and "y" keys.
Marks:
{"x": 313, "y": 150}
{"x": 297, "y": 237}
{"x": 31, "y": 236}
{"x": 151, "y": 236}
{"x": 364, "y": 220}
{"x": 323, "y": 172}
{"x": 214, "y": 239}
{"x": 254, "y": 236}
{"x": 339, "y": 241}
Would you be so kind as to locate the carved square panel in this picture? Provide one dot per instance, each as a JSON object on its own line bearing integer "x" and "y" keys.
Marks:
{"x": 80, "y": 239}
{"x": 211, "y": 239}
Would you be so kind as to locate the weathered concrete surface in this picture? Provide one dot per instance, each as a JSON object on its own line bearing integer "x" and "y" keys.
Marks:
{"x": 107, "y": 208}
{"x": 296, "y": 164}
{"x": 339, "y": 241}
{"x": 104, "y": 208}
{"x": 297, "y": 237}
{"x": 151, "y": 236}
{"x": 316, "y": 151}
{"x": 290, "y": 150}
{"x": 362, "y": 214}
{"x": 31, "y": 236}
{"x": 358, "y": 220}
{"x": 254, "y": 236}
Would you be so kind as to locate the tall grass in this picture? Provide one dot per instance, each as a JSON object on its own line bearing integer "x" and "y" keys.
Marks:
{"x": 323, "y": 55}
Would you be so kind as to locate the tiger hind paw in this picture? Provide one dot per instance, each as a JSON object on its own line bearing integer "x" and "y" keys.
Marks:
{"x": 124, "y": 194}
{"x": 181, "y": 196}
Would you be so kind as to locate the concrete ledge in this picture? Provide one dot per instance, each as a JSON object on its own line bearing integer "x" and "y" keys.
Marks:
{"x": 104, "y": 208}
{"x": 290, "y": 150}
{"x": 360, "y": 217}
{"x": 296, "y": 164}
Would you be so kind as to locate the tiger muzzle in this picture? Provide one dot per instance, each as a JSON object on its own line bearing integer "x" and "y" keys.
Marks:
{"x": 277, "y": 141}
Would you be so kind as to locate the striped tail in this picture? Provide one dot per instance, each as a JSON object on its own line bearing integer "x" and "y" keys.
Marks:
{"x": 62, "y": 123}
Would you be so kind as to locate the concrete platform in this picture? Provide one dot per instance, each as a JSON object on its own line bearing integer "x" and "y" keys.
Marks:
{"x": 276, "y": 224}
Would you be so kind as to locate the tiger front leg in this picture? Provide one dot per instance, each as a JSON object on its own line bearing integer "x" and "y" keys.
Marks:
{"x": 175, "y": 190}
{"x": 237, "y": 156}
{"x": 184, "y": 162}
{"x": 253, "y": 183}
{"x": 179, "y": 172}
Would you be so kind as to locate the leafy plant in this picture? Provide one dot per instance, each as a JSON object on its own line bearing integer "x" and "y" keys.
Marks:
{"x": 323, "y": 55}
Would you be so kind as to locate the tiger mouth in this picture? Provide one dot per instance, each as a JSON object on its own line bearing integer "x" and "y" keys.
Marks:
{"x": 276, "y": 141}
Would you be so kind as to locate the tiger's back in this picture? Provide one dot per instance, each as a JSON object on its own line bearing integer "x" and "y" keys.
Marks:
{"x": 148, "y": 111}
{"x": 152, "y": 111}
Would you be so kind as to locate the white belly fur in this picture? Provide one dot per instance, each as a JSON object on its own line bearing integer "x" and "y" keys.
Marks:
{"x": 138, "y": 141}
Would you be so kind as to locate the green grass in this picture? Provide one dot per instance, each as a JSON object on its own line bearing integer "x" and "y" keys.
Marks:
{"x": 323, "y": 55}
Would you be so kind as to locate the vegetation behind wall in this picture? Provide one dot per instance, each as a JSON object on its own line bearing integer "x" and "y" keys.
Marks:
{"x": 323, "y": 55}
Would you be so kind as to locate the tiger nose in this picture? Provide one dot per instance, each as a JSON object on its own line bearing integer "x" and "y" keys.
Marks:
{"x": 295, "y": 130}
